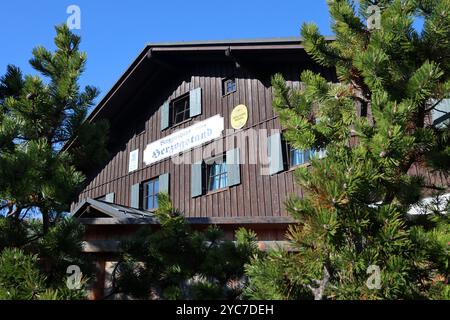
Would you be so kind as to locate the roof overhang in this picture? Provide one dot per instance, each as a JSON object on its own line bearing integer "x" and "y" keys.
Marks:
{"x": 157, "y": 60}
{"x": 96, "y": 212}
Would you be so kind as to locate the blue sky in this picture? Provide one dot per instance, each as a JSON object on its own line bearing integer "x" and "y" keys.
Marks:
{"x": 114, "y": 32}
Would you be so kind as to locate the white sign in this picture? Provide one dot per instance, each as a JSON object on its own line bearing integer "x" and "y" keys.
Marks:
{"x": 133, "y": 160}
{"x": 184, "y": 139}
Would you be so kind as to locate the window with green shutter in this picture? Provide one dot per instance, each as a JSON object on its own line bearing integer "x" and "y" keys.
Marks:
{"x": 216, "y": 173}
{"x": 150, "y": 194}
{"x": 181, "y": 109}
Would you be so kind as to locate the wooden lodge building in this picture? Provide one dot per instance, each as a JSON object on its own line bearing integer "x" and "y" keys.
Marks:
{"x": 178, "y": 98}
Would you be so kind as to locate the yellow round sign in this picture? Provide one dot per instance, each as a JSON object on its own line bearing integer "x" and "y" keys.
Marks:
{"x": 239, "y": 117}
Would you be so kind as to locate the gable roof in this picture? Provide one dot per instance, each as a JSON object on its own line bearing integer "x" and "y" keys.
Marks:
{"x": 155, "y": 57}
{"x": 87, "y": 213}
{"x": 110, "y": 210}
{"x": 165, "y": 48}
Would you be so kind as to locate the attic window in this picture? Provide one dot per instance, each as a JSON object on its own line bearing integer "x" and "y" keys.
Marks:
{"x": 228, "y": 86}
{"x": 180, "y": 110}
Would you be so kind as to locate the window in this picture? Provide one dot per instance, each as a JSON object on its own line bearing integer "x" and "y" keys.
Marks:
{"x": 228, "y": 86}
{"x": 217, "y": 174}
{"x": 150, "y": 198}
{"x": 298, "y": 157}
{"x": 180, "y": 110}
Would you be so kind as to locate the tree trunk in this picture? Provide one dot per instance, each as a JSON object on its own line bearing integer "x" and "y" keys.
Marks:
{"x": 45, "y": 221}
{"x": 322, "y": 284}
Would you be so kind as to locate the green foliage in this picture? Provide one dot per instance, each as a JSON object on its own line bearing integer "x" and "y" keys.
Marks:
{"x": 12, "y": 233}
{"x": 39, "y": 175}
{"x": 269, "y": 278}
{"x": 37, "y": 117}
{"x": 19, "y": 276}
{"x": 62, "y": 247}
{"x": 21, "y": 279}
{"x": 33, "y": 265}
{"x": 354, "y": 213}
{"x": 175, "y": 262}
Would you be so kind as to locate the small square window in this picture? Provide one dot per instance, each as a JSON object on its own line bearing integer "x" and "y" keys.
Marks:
{"x": 216, "y": 173}
{"x": 150, "y": 197}
{"x": 228, "y": 86}
{"x": 179, "y": 110}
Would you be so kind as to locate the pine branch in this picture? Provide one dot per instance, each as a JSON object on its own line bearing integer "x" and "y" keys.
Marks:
{"x": 319, "y": 291}
{"x": 433, "y": 106}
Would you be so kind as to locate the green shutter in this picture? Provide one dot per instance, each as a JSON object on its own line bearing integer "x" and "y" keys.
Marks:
{"x": 134, "y": 203}
{"x": 196, "y": 179}
{"x": 109, "y": 197}
{"x": 164, "y": 183}
{"x": 275, "y": 153}
{"x": 195, "y": 102}
{"x": 164, "y": 115}
{"x": 233, "y": 167}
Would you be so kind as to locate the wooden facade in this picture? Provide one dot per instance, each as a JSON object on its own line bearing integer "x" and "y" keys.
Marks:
{"x": 133, "y": 107}
{"x": 177, "y": 69}
{"x": 110, "y": 205}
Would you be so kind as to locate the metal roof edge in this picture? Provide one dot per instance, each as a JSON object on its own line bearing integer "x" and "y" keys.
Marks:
{"x": 275, "y": 40}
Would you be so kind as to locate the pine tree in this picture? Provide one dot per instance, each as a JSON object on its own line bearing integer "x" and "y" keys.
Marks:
{"x": 38, "y": 115}
{"x": 176, "y": 262}
{"x": 33, "y": 266}
{"x": 354, "y": 217}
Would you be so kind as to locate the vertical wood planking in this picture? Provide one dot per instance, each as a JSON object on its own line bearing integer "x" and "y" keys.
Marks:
{"x": 257, "y": 195}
